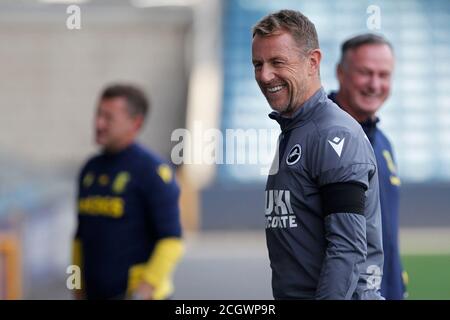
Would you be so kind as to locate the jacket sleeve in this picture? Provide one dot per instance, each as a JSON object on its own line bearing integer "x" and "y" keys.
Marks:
{"x": 346, "y": 250}
{"x": 343, "y": 158}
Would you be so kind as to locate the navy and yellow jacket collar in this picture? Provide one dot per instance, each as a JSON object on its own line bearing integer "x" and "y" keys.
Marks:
{"x": 303, "y": 113}
{"x": 120, "y": 154}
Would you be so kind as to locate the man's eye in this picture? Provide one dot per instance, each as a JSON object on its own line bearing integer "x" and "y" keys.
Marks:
{"x": 364, "y": 72}
{"x": 277, "y": 63}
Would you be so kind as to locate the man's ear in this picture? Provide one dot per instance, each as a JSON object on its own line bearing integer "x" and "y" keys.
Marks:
{"x": 138, "y": 122}
{"x": 315, "y": 56}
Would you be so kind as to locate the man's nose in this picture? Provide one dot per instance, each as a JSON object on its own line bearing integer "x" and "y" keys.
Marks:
{"x": 99, "y": 122}
{"x": 375, "y": 83}
{"x": 266, "y": 74}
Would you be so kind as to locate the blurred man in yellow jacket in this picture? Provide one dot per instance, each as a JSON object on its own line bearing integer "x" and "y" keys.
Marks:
{"x": 128, "y": 237}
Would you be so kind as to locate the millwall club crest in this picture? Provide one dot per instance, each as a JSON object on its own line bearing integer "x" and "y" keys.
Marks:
{"x": 294, "y": 155}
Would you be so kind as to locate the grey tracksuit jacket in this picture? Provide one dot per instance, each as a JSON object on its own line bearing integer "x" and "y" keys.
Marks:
{"x": 312, "y": 255}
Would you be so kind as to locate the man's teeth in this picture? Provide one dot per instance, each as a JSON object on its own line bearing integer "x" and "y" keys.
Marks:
{"x": 275, "y": 89}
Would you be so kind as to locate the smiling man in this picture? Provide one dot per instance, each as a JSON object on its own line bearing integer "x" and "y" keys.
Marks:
{"x": 323, "y": 221}
{"x": 364, "y": 73}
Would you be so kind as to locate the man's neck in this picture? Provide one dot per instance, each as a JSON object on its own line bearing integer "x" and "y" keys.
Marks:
{"x": 341, "y": 101}
{"x": 117, "y": 148}
{"x": 308, "y": 94}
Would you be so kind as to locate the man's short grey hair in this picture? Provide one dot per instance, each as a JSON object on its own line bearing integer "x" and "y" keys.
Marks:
{"x": 298, "y": 25}
{"x": 361, "y": 40}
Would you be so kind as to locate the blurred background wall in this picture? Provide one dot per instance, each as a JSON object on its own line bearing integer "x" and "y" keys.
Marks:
{"x": 193, "y": 58}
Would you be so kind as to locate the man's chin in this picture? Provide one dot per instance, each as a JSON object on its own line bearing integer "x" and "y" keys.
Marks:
{"x": 370, "y": 104}
{"x": 101, "y": 142}
{"x": 280, "y": 109}
{"x": 372, "y": 108}
{"x": 284, "y": 111}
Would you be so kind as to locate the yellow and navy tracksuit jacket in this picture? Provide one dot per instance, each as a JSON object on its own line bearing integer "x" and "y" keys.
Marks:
{"x": 128, "y": 224}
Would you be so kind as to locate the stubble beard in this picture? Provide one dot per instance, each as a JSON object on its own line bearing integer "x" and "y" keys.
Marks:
{"x": 291, "y": 108}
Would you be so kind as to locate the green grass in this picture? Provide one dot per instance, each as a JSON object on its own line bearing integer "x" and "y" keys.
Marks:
{"x": 429, "y": 276}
